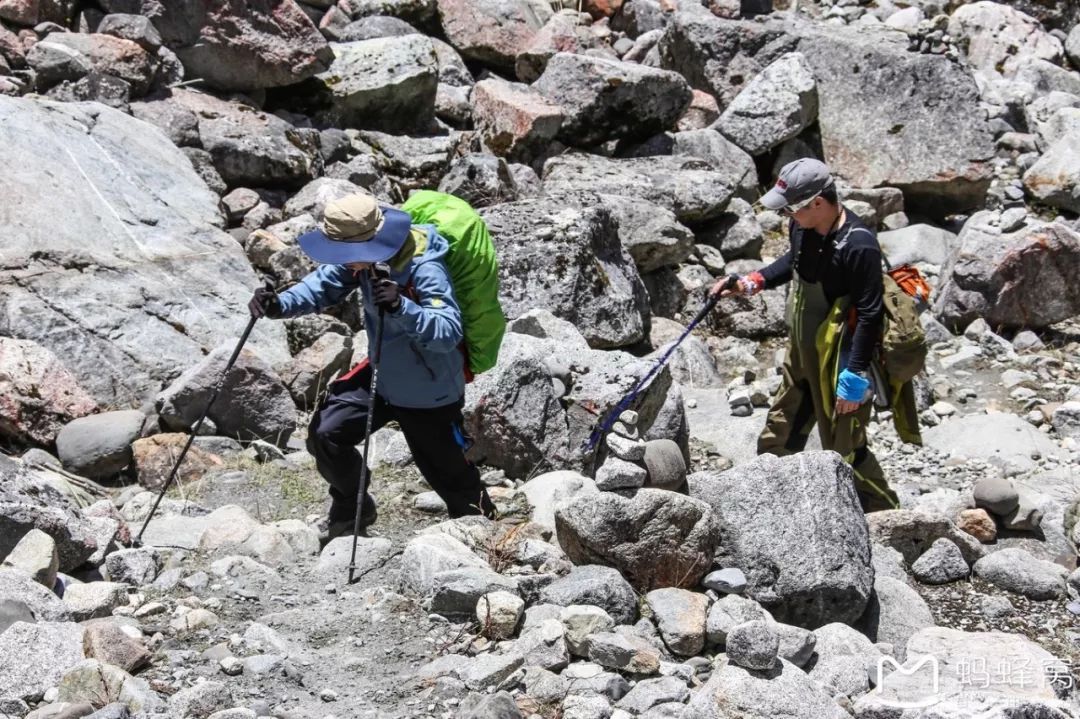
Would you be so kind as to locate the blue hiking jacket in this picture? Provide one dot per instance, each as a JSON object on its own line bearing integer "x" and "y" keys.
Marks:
{"x": 422, "y": 365}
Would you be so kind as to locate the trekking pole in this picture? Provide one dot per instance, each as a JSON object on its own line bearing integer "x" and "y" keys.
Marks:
{"x": 198, "y": 425}
{"x": 380, "y": 271}
{"x": 624, "y": 403}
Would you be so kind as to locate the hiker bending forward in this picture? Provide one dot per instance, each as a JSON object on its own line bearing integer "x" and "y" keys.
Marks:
{"x": 834, "y": 316}
{"x": 421, "y": 382}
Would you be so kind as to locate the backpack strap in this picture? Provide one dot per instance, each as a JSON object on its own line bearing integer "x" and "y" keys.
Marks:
{"x": 409, "y": 290}
{"x": 847, "y": 235}
{"x": 885, "y": 265}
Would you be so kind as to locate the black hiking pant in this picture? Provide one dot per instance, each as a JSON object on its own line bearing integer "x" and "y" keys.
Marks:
{"x": 435, "y": 436}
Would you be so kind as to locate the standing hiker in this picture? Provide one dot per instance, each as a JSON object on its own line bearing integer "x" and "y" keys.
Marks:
{"x": 421, "y": 383}
{"x": 834, "y": 315}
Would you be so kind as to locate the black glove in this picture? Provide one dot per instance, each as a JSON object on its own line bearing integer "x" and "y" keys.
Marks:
{"x": 265, "y": 302}
{"x": 387, "y": 295}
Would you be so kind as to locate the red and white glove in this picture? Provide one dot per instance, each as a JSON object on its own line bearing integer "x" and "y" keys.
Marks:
{"x": 751, "y": 284}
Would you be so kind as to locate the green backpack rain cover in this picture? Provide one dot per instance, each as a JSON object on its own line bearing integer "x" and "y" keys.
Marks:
{"x": 474, "y": 271}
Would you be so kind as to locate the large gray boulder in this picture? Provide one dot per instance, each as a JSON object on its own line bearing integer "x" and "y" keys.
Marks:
{"x": 917, "y": 243}
{"x": 594, "y": 585}
{"x": 681, "y": 618}
{"x": 723, "y": 156}
{"x": 34, "y": 657}
{"x": 844, "y": 659}
{"x": 253, "y": 403}
{"x": 568, "y": 259}
{"x": 712, "y": 423}
{"x": 23, "y": 599}
{"x": 520, "y": 422}
{"x": 719, "y": 56}
{"x": 428, "y": 555}
{"x": 99, "y": 445}
{"x": 547, "y": 491}
{"x": 794, "y": 526}
{"x": 1053, "y": 179}
{"x": 687, "y": 186}
{"x": 513, "y": 412}
{"x": 373, "y": 27}
{"x": 606, "y": 99}
{"x": 417, "y": 12}
{"x": 480, "y": 180}
{"x": 387, "y": 84}
{"x": 737, "y": 233}
{"x": 492, "y": 32}
{"x": 999, "y": 438}
{"x": 200, "y": 700}
{"x": 414, "y": 161}
{"x": 650, "y": 233}
{"x": 655, "y": 539}
{"x": 74, "y": 536}
{"x": 895, "y": 613}
{"x": 774, "y": 107}
{"x": 876, "y": 101}
{"x": 1000, "y": 38}
{"x": 239, "y": 46}
{"x": 1019, "y": 572}
{"x": 126, "y": 274}
{"x": 251, "y": 148}
{"x": 1016, "y": 279}
{"x": 758, "y": 317}
{"x": 692, "y": 364}
{"x": 783, "y": 691}
{"x": 36, "y": 555}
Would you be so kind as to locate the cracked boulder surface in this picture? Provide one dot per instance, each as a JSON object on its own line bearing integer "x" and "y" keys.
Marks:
{"x": 115, "y": 259}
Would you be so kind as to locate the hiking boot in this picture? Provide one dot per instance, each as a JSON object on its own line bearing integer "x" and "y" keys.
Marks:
{"x": 332, "y": 529}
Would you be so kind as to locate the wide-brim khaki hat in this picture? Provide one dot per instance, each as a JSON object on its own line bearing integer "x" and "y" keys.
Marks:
{"x": 356, "y": 228}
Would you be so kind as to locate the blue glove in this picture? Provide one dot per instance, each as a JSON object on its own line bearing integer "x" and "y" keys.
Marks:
{"x": 851, "y": 387}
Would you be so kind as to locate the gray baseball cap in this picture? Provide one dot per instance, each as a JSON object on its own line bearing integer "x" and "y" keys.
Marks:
{"x": 798, "y": 181}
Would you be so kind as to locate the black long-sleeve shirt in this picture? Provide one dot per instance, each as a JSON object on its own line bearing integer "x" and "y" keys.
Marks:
{"x": 847, "y": 263}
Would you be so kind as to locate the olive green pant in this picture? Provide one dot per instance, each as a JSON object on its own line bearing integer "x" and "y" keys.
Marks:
{"x": 801, "y": 404}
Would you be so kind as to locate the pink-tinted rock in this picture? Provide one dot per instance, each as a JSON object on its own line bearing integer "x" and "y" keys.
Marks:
{"x": 11, "y": 48}
{"x": 107, "y": 642}
{"x": 38, "y": 395}
{"x": 155, "y": 457}
{"x": 31, "y": 12}
{"x": 979, "y": 524}
{"x": 307, "y": 374}
{"x": 492, "y": 31}
{"x": 601, "y": 8}
{"x": 702, "y": 112}
{"x": 562, "y": 33}
{"x": 241, "y": 44}
{"x": 112, "y": 56}
{"x": 514, "y": 121}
